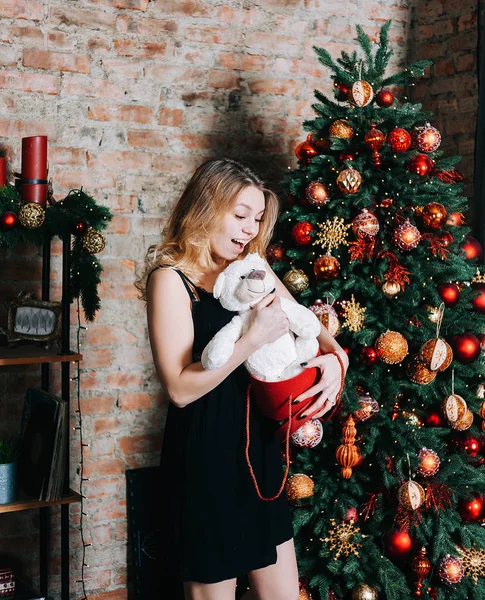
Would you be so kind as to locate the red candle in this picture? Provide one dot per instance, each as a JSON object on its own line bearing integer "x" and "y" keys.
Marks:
{"x": 34, "y": 169}
{"x": 3, "y": 172}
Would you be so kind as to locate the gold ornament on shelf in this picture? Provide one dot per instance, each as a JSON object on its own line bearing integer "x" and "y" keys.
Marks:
{"x": 299, "y": 487}
{"x": 418, "y": 373}
{"x": 349, "y": 181}
{"x": 331, "y": 234}
{"x": 361, "y": 93}
{"x": 362, "y": 591}
{"x": 93, "y": 241}
{"x": 341, "y": 538}
{"x": 411, "y": 495}
{"x": 31, "y": 215}
{"x": 391, "y": 347}
{"x": 391, "y": 288}
{"x": 341, "y": 129}
{"x": 296, "y": 281}
{"x": 365, "y": 224}
{"x": 473, "y": 560}
{"x": 353, "y": 315}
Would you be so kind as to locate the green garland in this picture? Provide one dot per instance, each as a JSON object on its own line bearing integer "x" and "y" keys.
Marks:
{"x": 60, "y": 219}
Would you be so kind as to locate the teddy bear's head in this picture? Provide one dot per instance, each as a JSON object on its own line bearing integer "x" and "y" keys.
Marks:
{"x": 243, "y": 283}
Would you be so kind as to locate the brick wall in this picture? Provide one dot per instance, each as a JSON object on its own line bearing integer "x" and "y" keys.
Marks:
{"x": 133, "y": 95}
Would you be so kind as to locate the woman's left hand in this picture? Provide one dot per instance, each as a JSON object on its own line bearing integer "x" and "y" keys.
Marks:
{"x": 327, "y": 388}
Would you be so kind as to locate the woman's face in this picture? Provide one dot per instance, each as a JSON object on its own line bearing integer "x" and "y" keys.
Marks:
{"x": 239, "y": 225}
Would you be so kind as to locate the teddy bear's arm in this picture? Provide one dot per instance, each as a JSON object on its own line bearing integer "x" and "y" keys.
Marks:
{"x": 220, "y": 348}
{"x": 303, "y": 322}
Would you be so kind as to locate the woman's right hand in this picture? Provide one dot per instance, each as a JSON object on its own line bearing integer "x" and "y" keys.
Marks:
{"x": 267, "y": 321}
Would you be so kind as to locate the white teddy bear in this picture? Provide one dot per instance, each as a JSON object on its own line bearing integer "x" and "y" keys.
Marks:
{"x": 242, "y": 284}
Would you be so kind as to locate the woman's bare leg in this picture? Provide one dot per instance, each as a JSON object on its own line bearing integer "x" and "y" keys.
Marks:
{"x": 278, "y": 581}
{"x": 223, "y": 590}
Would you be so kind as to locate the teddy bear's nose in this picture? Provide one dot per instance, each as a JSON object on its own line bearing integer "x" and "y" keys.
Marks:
{"x": 257, "y": 275}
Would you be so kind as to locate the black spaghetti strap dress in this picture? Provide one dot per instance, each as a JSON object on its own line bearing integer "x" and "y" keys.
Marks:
{"x": 213, "y": 525}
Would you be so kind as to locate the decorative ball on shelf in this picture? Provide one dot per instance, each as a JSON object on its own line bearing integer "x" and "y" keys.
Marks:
{"x": 317, "y": 193}
{"x": 93, "y": 241}
{"x": 349, "y": 181}
{"x": 429, "y": 462}
{"x": 418, "y": 373}
{"x": 296, "y": 280}
{"x": 361, "y": 93}
{"x": 362, "y": 591}
{"x": 434, "y": 215}
{"x": 391, "y": 288}
{"x": 79, "y": 228}
{"x": 451, "y": 570}
{"x": 367, "y": 407}
{"x": 299, "y": 487}
{"x": 466, "y": 347}
{"x": 411, "y": 495}
{"x": 384, "y": 98}
{"x": 306, "y": 150}
{"x": 399, "y": 139}
{"x": 327, "y": 315}
{"x": 398, "y": 544}
{"x": 326, "y": 267}
{"x": 8, "y": 220}
{"x": 301, "y": 233}
{"x": 464, "y": 423}
{"x": 368, "y": 355}
{"x": 275, "y": 253}
{"x": 471, "y": 510}
{"x": 472, "y": 248}
{"x": 391, "y": 347}
{"x": 31, "y": 215}
{"x": 309, "y": 435}
{"x": 421, "y": 164}
{"x": 454, "y": 407}
{"x": 406, "y": 236}
{"x": 449, "y": 293}
{"x": 426, "y": 138}
{"x": 341, "y": 129}
{"x": 436, "y": 354}
{"x": 365, "y": 224}
{"x": 478, "y": 302}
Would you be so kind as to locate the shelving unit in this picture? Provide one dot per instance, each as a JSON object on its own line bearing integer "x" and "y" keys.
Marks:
{"x": 31, "y": 355}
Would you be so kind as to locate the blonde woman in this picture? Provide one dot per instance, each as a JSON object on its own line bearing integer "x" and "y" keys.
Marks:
{"x": 215, "y": 526}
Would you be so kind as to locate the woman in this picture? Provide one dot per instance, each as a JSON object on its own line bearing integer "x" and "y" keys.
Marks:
{"x": 214, "y": 525}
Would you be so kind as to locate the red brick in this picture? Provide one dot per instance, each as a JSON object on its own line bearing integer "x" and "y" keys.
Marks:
{"x": 97, "y": 405}
{"x": 110, "y": 112}
{"x": 107, "y": 425}
{"x": 171, "y": 117}
{"x": 78, "y": 85}
{"x": 80, "y": 18}
{"x": 136, "y": 401}
{"x": 444, "y": 67}
{"x": 243, "y": 62}
{"x": 24, "y": 34}
{"x": 190, "y": 8}
{"x": 245, "y": 16}
{"x": 224, "y": 79}
{"x": 272, "y": 43}
{"x": 107, "y": 510}
{"x": 67, "y": 156}
{"x": 128, "y": 4}
{"x": 100, "y": 358}
{"x": 126, "y": 203}
{"x": 99, "y": 446}
{"x": 139, "y": 49}
{"x": 274, "y": 86}
{"x": 211, "y": 35}
{"x": 176, "y": 75}
{"x": 121, "y": 379}
{"x": 118, "y": 290}
{"x": 468, "y": 21}
{"x": 97, "y": 579}
{"x": 13, "y": 9}
{"x": 75, "y": 179}
{"x": 99, "y": 45}
{"x": 28, "y": 82}
{"x": 466, "y": 62}
{"x": 124, "y": 68}
{"x": 99, "y": 467}
{"x": 310, "y": 68}
{"x": 8, "y": 56}
{"x": 121, "y": 594}
{"x": 147, "y": 138}
{"x": 139, "y": 443}
{"x": 55, "y": 61}
{"x": 92, "y": 380}
{"x": 119, "y": 159}
{"x": 135, "y": 25}
{"x": 60, "y": 40}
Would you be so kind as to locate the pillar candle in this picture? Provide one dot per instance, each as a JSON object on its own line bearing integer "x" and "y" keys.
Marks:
{"x": 34, "y": 167}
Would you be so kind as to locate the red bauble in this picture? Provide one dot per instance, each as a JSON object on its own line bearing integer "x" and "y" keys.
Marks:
{"x": 8, "y": 220}
{"x": 426, "y": 138}
{"x": 352, "y": 514}
{"x": 79, "y": 228}
{"x": 368, "y": 355}
{"x": 398, "y": 544}
{"x": 446, "y": 238}
{"x": 343, "y": 91}
{"x": 466, "y": 347}
{"x": 434, "y": 419}
{"x": 471, "y": 445}
{"x": 472, "y": 248}
{"x": 420, "y": 164}
{"x": 301, "y": 233}
{"x": 449, "y": 293}
{"x": 346, "y": 156}
{"x": 275, "y": 252}
{"x": 470, "y": 510}
{"x": 399, "y": 139}
{"x": 384, "y": 98}
{"x": 455, "y": 219}
{"x": 479, "y": 301}
{"x": 326, "y": 267}
{"x": 306, "y": 150}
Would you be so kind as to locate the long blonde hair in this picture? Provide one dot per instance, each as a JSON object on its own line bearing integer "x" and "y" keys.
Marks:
{"x": 210, "y": 193}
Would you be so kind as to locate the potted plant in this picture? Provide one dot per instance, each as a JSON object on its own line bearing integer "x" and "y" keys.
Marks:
{"x": 8, "y": 470}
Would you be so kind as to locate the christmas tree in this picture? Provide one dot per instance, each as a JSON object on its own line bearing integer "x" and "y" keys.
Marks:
{"x": 388, "y": 502}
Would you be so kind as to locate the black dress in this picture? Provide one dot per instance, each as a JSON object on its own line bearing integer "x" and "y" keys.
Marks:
{"x": 214, "y": 526}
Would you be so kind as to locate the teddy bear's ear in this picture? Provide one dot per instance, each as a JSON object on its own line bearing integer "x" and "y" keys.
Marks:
{"x": 219, "y": 285}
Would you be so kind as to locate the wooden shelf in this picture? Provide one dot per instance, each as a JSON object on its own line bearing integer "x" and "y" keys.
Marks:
{"x": 28, "y": 503}
{"x": 33, "y": 355}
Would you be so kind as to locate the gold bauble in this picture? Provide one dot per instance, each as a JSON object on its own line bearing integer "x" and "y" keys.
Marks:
{"x": 299, "y": 487}
{"x": 434, "y": 215}
{"x": 454, "y": 407}
{"x": 436, "y": 354}
{"x": 391, "y": 347}
{"x": 341, "y": 128}
{"x": 411, "y": 495}
{"x": 296, "y": 281}
{"x": 391, "y": 288}
{"x": 361, "y": 93}
{"x": 349, "y": 181}
{"x": 464, "y": 423}
{"x": 418, "y": 373}
{"x": 31, "y": 215}
{"x": 365, "y": 224}
{"x": 93, "y": 241}
{"x": 362, "y": 591}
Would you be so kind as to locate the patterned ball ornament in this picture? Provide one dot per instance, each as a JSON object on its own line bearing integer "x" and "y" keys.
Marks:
{"x": 399, "y": 139}
{"x": 434, "y": 215}
{"x": 341, "y": 129}
{"x": 326, "y": 267}
{"x": 449, "y": 293}
{"x": 426, "y": 138}
{"x": 391, "y": 347}
{"x": 384, "y": 98}
{"x": 317, "y": 193}
{"x": 296, "y": 281}
{"x": 365, "y": 224}
{"x": 451, "y": 570}
{"x": 367, "y": 407}
{"x": 361, "y": 93}
{"x": 363, "y": 591}
{"x": 31, "y": 215}
{"x": 309, "y": 435}
{"x": 464, "y": 423}
{"x": 411, "y": 495}
{"x": 299, "y": 487}
{"x": 436, "y": 354}
{"x": 421, "y": 164}
{"x": 301, "y": 233}
{"x": 327, "y": 316}
{"x": 429, "y": 462}
{"x": 406, "y": 236}
{"x": 391, "y": 288}
{"x": 418, "y": 373}
{"x": 93, "y": 241}
{"x": 349, "y": 181}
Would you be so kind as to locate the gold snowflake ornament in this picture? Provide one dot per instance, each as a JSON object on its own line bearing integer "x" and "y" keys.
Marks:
{"x": 353, "y": 315}
{"x": 332, "y": 234}
{"x": 478, "y": 277}
{"x": 473, "y": 560}
{"x": 340, "y": 538}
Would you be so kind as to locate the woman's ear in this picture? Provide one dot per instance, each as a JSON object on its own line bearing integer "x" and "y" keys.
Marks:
{"x": 218, "y": 285}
